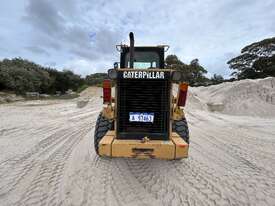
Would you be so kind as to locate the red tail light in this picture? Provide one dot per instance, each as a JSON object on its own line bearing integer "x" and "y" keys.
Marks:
{"x": 183, "y": 88}
{"x": 107, "y": 91}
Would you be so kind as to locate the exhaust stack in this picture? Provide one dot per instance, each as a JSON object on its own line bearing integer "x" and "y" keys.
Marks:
{"x": 132, "y": 49}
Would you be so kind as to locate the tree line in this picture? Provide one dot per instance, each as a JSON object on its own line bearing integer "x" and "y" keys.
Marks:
{"x": 21, "y": 76}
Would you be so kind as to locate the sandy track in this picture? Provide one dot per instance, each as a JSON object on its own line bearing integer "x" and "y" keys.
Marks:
{"x": 47, "y": 158}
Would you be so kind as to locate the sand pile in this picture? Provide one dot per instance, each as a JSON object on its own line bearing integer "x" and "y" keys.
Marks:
{"x": 245, "y": 97}
{"x": 88, "y": 94}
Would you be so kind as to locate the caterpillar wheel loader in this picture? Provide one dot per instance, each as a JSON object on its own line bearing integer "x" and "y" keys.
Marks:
{"x": 143, "y": 119}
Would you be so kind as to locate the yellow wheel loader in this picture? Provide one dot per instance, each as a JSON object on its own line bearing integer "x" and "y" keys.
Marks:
{"x": 143, "y": 119}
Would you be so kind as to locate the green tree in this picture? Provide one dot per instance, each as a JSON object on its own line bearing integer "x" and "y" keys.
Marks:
{"x": 256, "y": 60}
{"x": 193, "y": 73}
{"x": 197, "y": 73}
{"x": 96, "y": 78}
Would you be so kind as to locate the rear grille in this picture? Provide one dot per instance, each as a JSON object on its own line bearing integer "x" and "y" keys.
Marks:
{"x": 143, "y": 95}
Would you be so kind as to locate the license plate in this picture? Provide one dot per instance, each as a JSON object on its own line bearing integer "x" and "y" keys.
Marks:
{"x": 141, "y": 117}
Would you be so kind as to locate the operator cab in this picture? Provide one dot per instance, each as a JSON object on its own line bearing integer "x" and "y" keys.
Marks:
{"x": 144, "y": 57}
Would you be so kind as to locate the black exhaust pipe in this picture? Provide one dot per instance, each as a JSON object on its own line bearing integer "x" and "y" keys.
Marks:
{"x": 132, "y": 49}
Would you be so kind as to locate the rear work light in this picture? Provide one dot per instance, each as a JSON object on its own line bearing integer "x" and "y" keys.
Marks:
{"x": 182, "y": 94}
{"x": 112, "y": 73}
{"x": 107, "y": 91}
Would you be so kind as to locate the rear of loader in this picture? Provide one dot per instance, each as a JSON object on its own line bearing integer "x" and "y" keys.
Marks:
{"x": 143, "y": 119}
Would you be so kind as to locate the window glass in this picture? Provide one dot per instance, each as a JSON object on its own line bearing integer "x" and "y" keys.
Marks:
{"x": 143, "y": 60}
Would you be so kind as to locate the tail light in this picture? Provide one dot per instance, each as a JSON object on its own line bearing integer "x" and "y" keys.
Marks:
{"x": 183, "y": 88}
{"x": 107, "y": 91}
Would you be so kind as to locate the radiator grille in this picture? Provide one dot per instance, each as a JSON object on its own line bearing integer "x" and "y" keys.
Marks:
{"x": 143, "y": 95}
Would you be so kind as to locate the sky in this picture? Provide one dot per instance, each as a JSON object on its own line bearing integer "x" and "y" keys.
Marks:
{"x": 81, "y": 35}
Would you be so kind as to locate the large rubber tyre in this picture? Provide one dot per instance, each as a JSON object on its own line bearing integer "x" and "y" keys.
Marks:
{"x": 181, "y": 128}
{"x": 103, "y": 125}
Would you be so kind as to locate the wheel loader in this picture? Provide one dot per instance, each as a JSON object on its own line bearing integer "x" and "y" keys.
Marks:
{"x": 141, "y": 117}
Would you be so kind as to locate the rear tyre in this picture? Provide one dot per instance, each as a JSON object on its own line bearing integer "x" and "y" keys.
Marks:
{"x": 181, "y": 128}
{"x": 103, "y": 125}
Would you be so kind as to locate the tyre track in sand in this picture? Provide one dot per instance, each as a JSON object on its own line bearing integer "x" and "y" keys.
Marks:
{"x": 176, "y": 186}
{"x": 55, "y": 132}
{"x": 93, "y": 182}
{"x": 126, "y": 187}
{"x": 239, "y": 166}
{"x": 20, "y": 169}
{"x": 44, "y": 189}
{"x": 17, "y": 169}
{"x": 93, "y": 195}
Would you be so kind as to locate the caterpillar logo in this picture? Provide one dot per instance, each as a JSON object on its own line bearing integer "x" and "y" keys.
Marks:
{"x": 143, "y": 75}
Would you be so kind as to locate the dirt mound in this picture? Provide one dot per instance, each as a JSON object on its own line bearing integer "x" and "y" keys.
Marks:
{"x": 86, "y": 96}
{"x": 90, "y": 92}
{"x": 245, "y": 97}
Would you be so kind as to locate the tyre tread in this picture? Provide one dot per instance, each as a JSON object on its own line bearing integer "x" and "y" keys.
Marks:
{"x": 103, "y": 125}
{"x": 181, "y": 128}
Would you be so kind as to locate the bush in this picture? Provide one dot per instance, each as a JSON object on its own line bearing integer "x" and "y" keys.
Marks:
{"x": 23, "y": 76}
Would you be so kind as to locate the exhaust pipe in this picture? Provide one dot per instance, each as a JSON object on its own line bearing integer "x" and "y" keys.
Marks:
{"x": 132, "y": 49}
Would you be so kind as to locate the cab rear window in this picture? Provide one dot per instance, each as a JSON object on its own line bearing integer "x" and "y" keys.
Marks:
{"x": 143, "y": 60}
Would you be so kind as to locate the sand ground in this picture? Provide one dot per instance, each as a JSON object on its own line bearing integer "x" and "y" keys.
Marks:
{"x": 47, "y": 155}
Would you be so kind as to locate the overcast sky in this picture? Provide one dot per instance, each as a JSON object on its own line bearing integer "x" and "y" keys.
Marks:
{"x": 81, "y": 34}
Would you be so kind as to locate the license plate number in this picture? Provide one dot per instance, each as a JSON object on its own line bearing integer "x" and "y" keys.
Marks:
{"x": 141, "y": 117}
